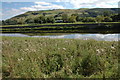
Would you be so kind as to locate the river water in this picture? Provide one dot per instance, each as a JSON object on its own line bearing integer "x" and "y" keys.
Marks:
{"x": 104, "y": 37}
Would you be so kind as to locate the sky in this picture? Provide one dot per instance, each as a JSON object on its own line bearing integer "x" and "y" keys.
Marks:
{"x": 10, "y": 8}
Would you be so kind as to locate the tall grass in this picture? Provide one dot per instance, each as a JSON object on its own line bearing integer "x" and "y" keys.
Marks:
{"x": 58, "y": 58}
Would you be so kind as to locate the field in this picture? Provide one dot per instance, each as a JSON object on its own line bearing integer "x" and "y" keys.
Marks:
{"x": 59, "y": 58}
{"x": 110, "y": 27}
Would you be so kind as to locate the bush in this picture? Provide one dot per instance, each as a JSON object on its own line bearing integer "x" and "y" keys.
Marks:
{"x": 52, "y": 63}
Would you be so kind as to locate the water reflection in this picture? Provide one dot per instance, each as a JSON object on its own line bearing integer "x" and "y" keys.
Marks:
{"x": 105, "y": 37}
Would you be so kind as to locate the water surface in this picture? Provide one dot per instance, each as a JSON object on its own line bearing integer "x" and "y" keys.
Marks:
{"x": 104, "y": 37}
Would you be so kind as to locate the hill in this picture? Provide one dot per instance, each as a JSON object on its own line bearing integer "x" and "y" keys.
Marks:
{"x": 66, "y": 16}
{"x": 84, "y": 12}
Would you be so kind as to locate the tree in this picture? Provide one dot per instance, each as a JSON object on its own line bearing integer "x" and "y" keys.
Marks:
{"x": 29, "y": 20}
{"x": 0, "y": 22}
{"x": 40, "y": 20}
{"x": 9, "y": 22}
{"x": 72, "y": 19}
{"x": 116, "y": 17}
{"x": 99, "y": 18}
{"x": 107, "y": 19}
{"x": 106, "y": 13}
{"x": 50, "y": 20}
{"x": 21, "y": 20}
{"x": 3, "y": 22}
{"x": 74, "y": 14}
{"x": 65, "y": 17}
{"x": 89, "y": 19}
{"x": 78, "y": 18}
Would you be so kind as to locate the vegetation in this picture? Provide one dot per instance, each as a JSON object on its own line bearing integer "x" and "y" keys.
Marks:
{"x": 66, "y": 16}
{"x": 59, "y": 58}
{"x": 107, "y": 27}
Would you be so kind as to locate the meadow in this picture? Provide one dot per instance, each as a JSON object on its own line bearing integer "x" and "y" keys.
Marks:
{"x": 29, "y": 57}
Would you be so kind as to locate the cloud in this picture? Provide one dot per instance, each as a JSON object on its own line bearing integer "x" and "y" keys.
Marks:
{"x": 96, "y": 4}
{"x": 37, "y": 6}
{"x": 11, "y": 13}
{"x": 92, "y": 3}
{"x": 42, "y": 3}
{"x": 42, "y": 6}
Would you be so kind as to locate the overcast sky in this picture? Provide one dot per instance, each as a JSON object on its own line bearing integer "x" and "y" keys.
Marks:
{"x": 12, "y": 8}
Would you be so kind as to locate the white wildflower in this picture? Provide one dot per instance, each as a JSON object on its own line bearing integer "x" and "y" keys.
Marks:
{"x": 98, "y": 50}
{"x": 102, "y": 50}
{"x": 112, "y": 47}
{"x": 64, "y": 48}
{"x": 19, "y": 59}
{"x": 22, "y": 59}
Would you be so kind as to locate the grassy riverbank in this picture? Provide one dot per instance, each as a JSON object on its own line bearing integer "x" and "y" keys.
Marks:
{"x": 58, "y": 58}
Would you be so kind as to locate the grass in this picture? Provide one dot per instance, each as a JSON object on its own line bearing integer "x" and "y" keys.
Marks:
{"x": 28, "y": 57}
{"x": 35, "y": 24}
{"x": 109, "y": 27}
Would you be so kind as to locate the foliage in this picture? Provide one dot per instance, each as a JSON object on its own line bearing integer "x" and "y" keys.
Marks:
{"x": 89, "y": 19}
{"x": 107, "y": 19}
{"x": 116, "y": 18}
{"x": 58, "y": 58}
{"x": 40, "y": 20}
{"x": 107, "y": 13}
{"x": 65, "y": 17}
{"x": 72, "y": 19}
{"x": 30, "y": 20}
{"x": 99, "y": 18}
{"x": 82, "y": 15}
{"x": 50, "y": 20}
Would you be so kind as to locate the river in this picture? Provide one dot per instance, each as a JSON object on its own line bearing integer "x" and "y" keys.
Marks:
{"x": 104, "y": 37}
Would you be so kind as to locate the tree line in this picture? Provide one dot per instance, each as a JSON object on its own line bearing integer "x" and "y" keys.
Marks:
{"x": 65, "y": 18}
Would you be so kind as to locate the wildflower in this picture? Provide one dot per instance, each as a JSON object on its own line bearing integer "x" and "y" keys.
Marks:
{"x": 22, "y": 59}
{"x": 112, "y": 47}
{"x": 64, "y": 48}
{"x": 27, "y": 49}
{"x": 102, "y": 50}
{"x": 18, "y": 59}
{"x": 98, "y": 50}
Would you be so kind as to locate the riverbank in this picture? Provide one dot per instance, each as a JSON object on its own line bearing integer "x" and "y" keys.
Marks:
{"x": 28, "y": 57}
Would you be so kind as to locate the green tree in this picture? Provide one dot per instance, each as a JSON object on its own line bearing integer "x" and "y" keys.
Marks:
{"x": 40, "y": 20}
{"x": 50, "y": 20}
{"x": 99, "y": 18}
{"x": 74, "y": 14}
{"x": 89, "y": 19}
{"x": 65, "y": 17}
{"x": 29, "y": 20}
{"x": 3, "y": 22}
{"x": 0, "y": 22}
{"x": 107, "y": 19}
{"x": 116, "y": 17}
{"x": 106, "y": 13}
{"x": 80, "y": 19}
{"x": 10, "y": 22}
{"x": 21, "y": 20}
{"x": 72, "y": 19}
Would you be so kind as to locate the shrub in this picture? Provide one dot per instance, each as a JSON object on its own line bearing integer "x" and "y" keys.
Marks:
{"x": 52, "y": 63}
